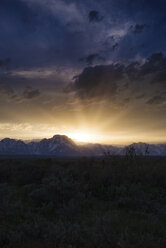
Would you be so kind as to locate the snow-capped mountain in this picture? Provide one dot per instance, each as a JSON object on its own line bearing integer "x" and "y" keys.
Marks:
{"x": 57, "y": 145}
{"x": 12, "y": 146}
{"x": 61, "y": 145}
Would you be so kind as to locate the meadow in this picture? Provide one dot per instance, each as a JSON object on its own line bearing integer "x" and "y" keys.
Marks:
{"x": 109, "y": 202}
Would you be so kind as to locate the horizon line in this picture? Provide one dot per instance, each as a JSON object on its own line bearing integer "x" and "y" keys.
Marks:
{"x": 37, "y": 139}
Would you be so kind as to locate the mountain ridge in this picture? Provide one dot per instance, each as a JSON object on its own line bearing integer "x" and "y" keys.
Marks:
{"x": 62, "y": 145}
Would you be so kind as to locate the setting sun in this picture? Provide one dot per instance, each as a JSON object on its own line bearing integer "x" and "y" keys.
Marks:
{"x": 81, "y": 137}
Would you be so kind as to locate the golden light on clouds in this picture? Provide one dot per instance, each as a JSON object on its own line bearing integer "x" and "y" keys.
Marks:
{"x": 94, "y": 123}
{"x": 86, "y": 133}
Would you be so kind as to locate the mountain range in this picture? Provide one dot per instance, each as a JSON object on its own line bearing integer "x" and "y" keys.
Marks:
{"x": 61, "y": 146}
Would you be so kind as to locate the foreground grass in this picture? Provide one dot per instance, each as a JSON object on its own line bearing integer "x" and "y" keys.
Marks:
{"x": 79, "y": 203}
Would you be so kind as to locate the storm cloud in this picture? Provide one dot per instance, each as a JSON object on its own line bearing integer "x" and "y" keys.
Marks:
{"x": 7, "y": 91}
{"x": 107, "y": 81}
{"x": 138, "y": 28}
{"x": 94, "y": 16}
{"x": 156, "y": 100}
{"x": 122, "y": 70}
{"x": 99, "y": 80}
{"x": 90, "y": 59}
{"x": 11, "y": 94}
{"x": 30, "y": 93}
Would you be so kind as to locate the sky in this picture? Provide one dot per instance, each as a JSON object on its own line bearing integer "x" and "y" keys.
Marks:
{"x": 94, "y": 70}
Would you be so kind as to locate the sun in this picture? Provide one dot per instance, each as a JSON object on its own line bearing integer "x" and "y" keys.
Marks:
{"x": 80, "y": 137}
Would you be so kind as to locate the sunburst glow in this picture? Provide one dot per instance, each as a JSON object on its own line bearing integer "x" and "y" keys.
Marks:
{"x": 81, "y": 137}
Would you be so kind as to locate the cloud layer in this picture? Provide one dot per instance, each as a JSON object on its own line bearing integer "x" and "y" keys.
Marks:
{"x": 82, "y": 63}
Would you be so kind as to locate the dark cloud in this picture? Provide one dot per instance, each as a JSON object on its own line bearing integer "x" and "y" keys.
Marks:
{"x": 141, "y": 96}
{"x": 7, "y": 91}
{"x": 155, "y": 63}
{"x": 94, "y": 16}
{"x": 115, "y": 46}
{"x": 5, "y": 62}
{"x": 104, "y": 81}
{"x": 160, "y": 77}
{"x": 132, "y": 70}
{"x": 30, "y": 93}
{"x": 20, "y": 18}
{"x": 98, "y": 80}
{"x": 66, "y": 30}
{"x": 138, "y": 28}
{"x": 155, "y": 68}
{"x": 156, "y": 100}
{"x": 90, "y": 59}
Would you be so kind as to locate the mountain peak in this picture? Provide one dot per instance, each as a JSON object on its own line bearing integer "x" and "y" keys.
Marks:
{"x": 59, "y": 136}
{"x": 62, "y": 138}
{"x": 8, "y": 140}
